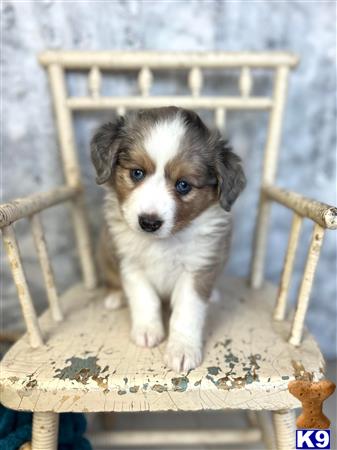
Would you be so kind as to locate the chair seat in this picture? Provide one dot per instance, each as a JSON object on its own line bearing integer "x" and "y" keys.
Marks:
{"x": 89, "y": 363}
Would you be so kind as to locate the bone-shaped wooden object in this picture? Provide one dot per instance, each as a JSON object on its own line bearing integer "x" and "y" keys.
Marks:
{"x": 312, "y": 395}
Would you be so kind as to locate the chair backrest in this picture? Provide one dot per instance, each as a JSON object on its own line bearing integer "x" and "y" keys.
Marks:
{"x": 145, "y": 64}
{"x": 96, "y": 64}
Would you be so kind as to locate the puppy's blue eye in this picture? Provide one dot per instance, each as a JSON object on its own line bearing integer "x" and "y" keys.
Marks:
{"x": 182, "y": 187}
{"x": 137, "y": 174}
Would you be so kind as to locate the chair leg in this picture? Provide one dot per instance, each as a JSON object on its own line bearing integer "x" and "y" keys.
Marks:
{"x": 284, "y": 426}
{"x": 45, "y": 431}
{"x": 252, "y": 418}
{"x": 265, "y": 424}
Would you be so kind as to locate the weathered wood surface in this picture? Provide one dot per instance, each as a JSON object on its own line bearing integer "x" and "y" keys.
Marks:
{"x": 182, "y": 101}
{"x": 321, "y": 213}
{"x": 34, "y": 203}
{"x": 72, "y": 172}
{"x": 34, "y": 335}
{"x": 270, "y": 161}
{"x": 90, "y": 364}
{"x": 115, "y": 60}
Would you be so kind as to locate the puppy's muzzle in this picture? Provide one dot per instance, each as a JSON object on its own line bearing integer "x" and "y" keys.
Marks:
{"x": 149, "y": 222}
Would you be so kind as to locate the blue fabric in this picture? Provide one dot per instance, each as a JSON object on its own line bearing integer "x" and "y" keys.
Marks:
{"x": 16, "y": 429}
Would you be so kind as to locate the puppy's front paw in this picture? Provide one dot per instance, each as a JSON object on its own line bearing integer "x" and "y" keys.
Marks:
{"x": 182, "y": 356}
{"x": 114, "y": 300}
{"x": 148, "y": 335}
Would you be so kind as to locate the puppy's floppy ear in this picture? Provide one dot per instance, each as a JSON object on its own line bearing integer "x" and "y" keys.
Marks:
{"x": 230, "y": 175}
{"x": 104, "y": 149}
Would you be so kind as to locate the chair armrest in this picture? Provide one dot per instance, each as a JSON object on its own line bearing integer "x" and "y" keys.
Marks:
{"x": 31, "y": 204}
{"x": 325, "y": 217}
{"x": 29, "y": 207}
{"x": 321, "y": 213}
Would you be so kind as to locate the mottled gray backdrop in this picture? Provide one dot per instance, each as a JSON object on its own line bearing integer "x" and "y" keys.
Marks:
{"x": 308, "y": 158}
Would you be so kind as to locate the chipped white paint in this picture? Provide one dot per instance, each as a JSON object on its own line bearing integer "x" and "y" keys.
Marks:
{"x": 165, "y": 60}
{"x": 269, "y": 173}
{"x": 281, "y": 304}
{"x": 306, "y": 285}
{"x": 321, "y": 213}
{"x": 19, "y": 277}
{"x": 133, "y": 102}
{"x": 119, "y": 376}
{"x": 26, "y": 206}
{"x": 47, "y": 271}
{"x": 64, "y": 125}
{"x": 72, "y": 171}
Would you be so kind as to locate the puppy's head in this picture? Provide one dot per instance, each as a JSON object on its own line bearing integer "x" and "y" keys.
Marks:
{"x": 166, "y": 168}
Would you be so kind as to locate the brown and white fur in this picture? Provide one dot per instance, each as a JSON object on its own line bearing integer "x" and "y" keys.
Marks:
{"x": 158, "y": 243}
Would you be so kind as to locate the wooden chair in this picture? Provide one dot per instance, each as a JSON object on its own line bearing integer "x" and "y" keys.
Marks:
{"x": 78, "y": 357}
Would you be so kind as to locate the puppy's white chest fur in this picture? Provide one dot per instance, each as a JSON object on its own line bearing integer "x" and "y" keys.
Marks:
{"x": 160, "y": 264}
{"x": 162, "y": 261}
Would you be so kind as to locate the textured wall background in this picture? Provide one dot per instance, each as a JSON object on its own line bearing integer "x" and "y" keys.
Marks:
{"x": 308, "y": 158}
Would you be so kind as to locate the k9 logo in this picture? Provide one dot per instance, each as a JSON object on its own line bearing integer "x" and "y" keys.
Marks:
{"x": 312, "y": 439}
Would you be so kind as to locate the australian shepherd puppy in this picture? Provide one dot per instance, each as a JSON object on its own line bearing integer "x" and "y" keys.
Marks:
{"x": 170, "y": 183}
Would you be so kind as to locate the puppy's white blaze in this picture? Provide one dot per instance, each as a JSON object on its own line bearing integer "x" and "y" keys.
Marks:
{"x": 162, "y": 142}
{"x": 151, "y": 197}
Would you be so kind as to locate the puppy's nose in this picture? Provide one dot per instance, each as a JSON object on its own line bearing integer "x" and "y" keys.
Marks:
{"x": 149, "y": 222}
